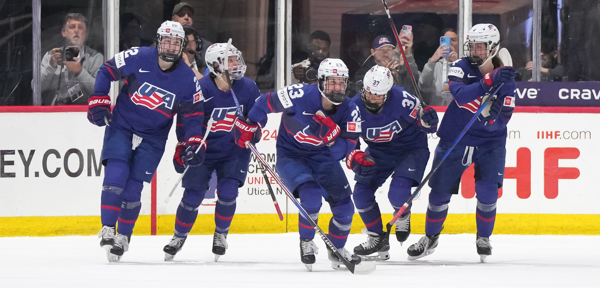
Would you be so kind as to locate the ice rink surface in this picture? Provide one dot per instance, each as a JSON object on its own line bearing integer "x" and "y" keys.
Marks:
{"x": 272, "y": 260}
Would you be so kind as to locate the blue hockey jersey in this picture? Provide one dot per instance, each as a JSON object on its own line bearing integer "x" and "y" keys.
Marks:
{"x": 468, "y": 93}
{"x": 150, "y": 96}
{"x": 299, "y": 103}
{"x": 221, "y": 107}
{"x": 394, "y": 128}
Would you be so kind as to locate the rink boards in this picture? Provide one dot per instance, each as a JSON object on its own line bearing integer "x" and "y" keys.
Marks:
{"x": 50, "y": 180}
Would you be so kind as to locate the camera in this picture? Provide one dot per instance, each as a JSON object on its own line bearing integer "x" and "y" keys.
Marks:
{"x": 69, "y": 53}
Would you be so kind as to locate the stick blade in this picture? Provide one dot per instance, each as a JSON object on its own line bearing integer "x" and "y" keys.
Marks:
{"x": 363, "y": 267}
{"x": 505, "y": 57}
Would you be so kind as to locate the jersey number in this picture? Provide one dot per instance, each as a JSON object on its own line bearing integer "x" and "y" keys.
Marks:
{"x": 295, "y": 91}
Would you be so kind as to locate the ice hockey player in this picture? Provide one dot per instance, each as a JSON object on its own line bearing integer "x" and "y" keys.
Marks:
{"x": 156, "y": 87}
{"x": 309, "y": 149}
{"x": 395, "y": 127}
{"x": 471, "y": 77}
{"x": 223, "y": 155}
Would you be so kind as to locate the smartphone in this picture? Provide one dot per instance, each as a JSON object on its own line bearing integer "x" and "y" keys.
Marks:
{"x": 445, "y": 40}
{"x": 406, "y": 29}
{"x": 70, "y": 52}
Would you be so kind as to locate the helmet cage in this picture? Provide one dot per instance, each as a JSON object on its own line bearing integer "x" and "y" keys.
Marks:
{"x": 166, "y": 56}
{"x": 335, "y": 98}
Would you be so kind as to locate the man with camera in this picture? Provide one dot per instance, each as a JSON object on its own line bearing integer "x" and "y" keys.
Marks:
{"x": 306, "y": 71}
{"x": 69, "y": 72}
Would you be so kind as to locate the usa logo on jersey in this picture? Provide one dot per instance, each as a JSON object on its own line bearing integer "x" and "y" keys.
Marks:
{"x": 385, "y": 133}
{"x": 472, "y": 106}
{"x": 305, "y": 138}
{"x": 153, "y": 97}
{"x": 223, "y": 119}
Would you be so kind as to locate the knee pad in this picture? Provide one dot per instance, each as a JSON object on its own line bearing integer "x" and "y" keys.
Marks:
{"x": 364, "y": 196}
{"x": 116, "y": 173}
{"x": 439, "y": 198}
{"x": 486, "y": 191}
{"x": 227, "y": 189}
{"x": 486, "y": 207}
{"x": 310, "y": 195}
{"x": 400, "y": 190}
{"x": 343, "y": 210}
{"x": 133, "y": 190}
{"x": 192, "y": 197}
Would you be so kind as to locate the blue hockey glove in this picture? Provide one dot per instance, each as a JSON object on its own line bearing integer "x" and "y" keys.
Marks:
{"x": 246, "y": 132}
{"x": 99, "y": 112}
{"x": 490, "y": 113}
{"x": 498, "y": 76}
{"x": 360, "y": 163}
{"x": 191, "y": 157}
{"x": 179, "y": 156}
{"x": 427, "y": 119}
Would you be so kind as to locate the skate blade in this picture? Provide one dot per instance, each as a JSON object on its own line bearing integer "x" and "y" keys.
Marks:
{"x": 112, "y": 258}
{"x": 217, "y": 257}
{"x": 482, "y": 258}
{"x": 381, "y": 256}
{"x": 338, "y": 266}
{"x": 364, "y": 268}
{"x": 169, "y": 257}
{"x": 427, "y": 253}
{"x": 309, "y": 267}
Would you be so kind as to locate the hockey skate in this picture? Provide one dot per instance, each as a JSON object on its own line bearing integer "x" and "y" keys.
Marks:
{"x": 219, "y": 245}
{"x": 403, "y": 228}
{"x": 376, "y": 243}
{"x": 484, "y": 248}
{"x": 308, "y": 250}
{"x": 424, "y": 247}
{"x": 107, "y": 235}
{"x": 120, "y": 246}
{"x": 173, "y": 247}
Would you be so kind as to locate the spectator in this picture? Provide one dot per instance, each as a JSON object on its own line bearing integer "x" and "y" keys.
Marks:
{"x": 184, "y": 14}
{"x": 69, "y": 81}
{"x": 434, "y": 78}
{"x": 384, "y": 53}
{"x": 193, "y": 44}
{"x": 130, "y": 33}
{"x": 318, "y": 50}
{"x": 550, "y": 70}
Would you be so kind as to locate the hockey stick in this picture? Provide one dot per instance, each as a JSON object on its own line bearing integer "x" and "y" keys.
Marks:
{"x": 355, "y": 266}
{"x": 208, "y": 127}
{"x": 486, "y": 101}
{"x": 241, "y": 116}
{"x": 412, "y": 78}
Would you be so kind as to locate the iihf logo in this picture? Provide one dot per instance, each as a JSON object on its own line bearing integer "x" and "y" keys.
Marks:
{"x": 152, "y": 97}
{"x": 223, "y": 119}
{"x": 385, "y": 133}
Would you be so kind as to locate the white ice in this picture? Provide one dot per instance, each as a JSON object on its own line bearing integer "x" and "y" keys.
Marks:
{"x": 272, "y": 260}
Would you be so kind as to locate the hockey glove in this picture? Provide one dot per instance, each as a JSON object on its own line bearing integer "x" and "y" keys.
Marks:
{"x": 427, "y": 119}
{"x": 179, "y": 156}
{"x": 497, "y": 77}
{"x": 99, "y": 110}
{"x": 360, "y": 163}
{"x": 491, "y": 111}
{"x": 191, "y": 157}
{"x": 245, "y": 132}
{"x": 324, "y": 128}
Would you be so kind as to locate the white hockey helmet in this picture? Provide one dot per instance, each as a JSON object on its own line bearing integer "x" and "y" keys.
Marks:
{"x": 332, "y": 67}
{"x": 482, "y": 33}
{"x": 378, "y": 80}
{"x": 170, "y": 29}
{"x": 215, "y": 60}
